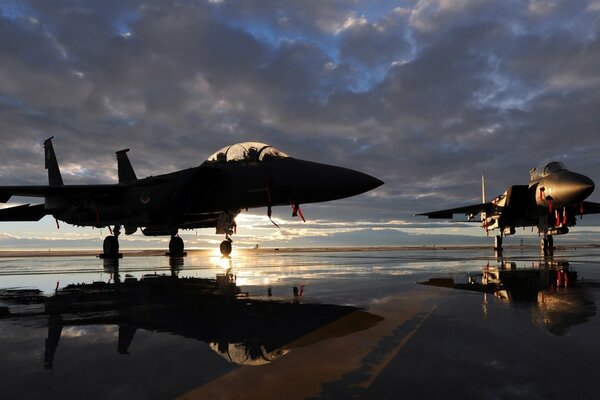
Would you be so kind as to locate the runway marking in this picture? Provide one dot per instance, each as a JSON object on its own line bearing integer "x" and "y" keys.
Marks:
{"x": 390, "y": 356}
{"x": 355, "y": 383}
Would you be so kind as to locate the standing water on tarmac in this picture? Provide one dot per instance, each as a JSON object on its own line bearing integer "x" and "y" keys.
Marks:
{"x": 458, "y": 323}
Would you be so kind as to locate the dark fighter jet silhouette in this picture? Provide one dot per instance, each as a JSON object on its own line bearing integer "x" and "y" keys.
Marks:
{"x": 550, "y": 202}
{"x": 240, "y": 176}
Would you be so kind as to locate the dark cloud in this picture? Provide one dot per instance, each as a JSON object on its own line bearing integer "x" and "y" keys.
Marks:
{"x": 425, "y": 95}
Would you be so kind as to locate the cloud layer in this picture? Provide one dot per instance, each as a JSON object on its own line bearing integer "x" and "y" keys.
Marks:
{"x": 424, "y": 95}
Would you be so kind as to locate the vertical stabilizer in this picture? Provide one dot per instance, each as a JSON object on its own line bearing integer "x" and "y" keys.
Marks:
{"x": 51, "y": 164}
{"x": 124, "y": 168}
{"x": 482, "y": 188}
{"x": 483, "y": 213}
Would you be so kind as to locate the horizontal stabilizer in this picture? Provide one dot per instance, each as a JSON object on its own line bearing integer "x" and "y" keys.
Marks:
{"x": 25, "y": 212}
{"x": 69, "y": 192}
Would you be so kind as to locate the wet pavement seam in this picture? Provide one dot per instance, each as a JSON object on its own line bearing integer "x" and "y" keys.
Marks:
{"x": 355, "y": 384}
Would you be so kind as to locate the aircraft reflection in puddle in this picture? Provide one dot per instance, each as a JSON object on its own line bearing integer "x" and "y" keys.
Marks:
{"x": 243, "y": 330}
{"x": 558, "y": 298}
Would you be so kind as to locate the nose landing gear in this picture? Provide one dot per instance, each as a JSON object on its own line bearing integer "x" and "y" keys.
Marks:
{"x": 225, "y": 246}
{"x": 226, "y": 225}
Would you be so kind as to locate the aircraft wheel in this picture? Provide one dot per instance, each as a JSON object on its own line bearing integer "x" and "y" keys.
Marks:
{"x": 225, "y": 247}
{"x": 547, "y": 243}
{"x": 176, "y": 245}
{"x": 111, "y": 247}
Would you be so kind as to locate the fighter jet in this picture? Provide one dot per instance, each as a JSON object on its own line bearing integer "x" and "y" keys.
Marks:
{"x": 240, "y": 176}
{"x": 551, "y": 202}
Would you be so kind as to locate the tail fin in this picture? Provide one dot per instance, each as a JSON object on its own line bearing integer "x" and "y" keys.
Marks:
{"x": 482, "y": 188}
{"x": 125, "y": 170}
{"x": 54, "y": 177}
{"x": 483, "y": 214}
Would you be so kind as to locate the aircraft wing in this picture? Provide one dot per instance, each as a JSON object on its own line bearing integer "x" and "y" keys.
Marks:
{"x": 590, "y": 207}
{"x": 68, "y": 191}
{"x": 467, "y": 210}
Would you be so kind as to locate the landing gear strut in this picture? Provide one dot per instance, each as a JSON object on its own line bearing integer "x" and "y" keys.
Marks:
{"x": 226, "y": 225}
{"x": 110, "y": 247}
{"x": 498, "y": 242}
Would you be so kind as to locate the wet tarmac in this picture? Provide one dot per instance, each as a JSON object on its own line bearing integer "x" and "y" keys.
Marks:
{"x": 422, "y": 324}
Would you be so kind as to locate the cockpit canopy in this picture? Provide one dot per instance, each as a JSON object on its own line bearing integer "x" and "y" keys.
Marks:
{"x": 247, "y": 152}
{"x": 550, "y": 168}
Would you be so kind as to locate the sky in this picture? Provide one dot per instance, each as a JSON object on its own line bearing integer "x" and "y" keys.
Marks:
{"x": 425, "y": 95}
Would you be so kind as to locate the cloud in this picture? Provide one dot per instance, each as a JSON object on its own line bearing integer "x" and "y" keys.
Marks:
{"x": 425, "y": 95}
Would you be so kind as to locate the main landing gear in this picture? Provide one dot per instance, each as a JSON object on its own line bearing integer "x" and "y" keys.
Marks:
{"x": 498, "y": 246}
{"x": 110, "y": 247}
{"x": 547, "y": 244}
{"x": 176, "y": 247}
{"x": 498, "y": 242}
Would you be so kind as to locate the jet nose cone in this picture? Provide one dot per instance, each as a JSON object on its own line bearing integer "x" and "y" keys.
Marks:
{"x": 367, "y": 182}
{"x": 343, "y": 182}
{"x": 576, "y": 188}
{"x": 316, "y": 182}
{"x": 586, "y": 186}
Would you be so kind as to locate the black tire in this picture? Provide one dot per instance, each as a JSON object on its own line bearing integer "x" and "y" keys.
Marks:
{"x": 498, "y": 242}
{"x": 176, "y": 245}
{"x": 111, "y": 247}
{"x": 225, "y": 247}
